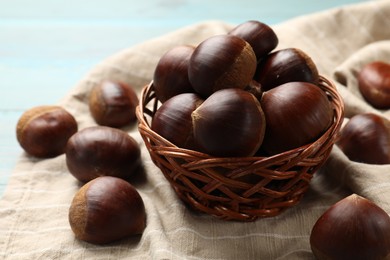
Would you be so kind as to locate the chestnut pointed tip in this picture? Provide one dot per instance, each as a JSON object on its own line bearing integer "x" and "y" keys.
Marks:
{"x": 355, "y": 198}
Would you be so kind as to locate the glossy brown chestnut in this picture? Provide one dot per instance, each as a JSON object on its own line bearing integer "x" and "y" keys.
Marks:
{"x": 113, "y": 104}
{"x": 173, "y": 119}
{"x": 366, "y": 138}
{"x": 259, "y": 35}
{"x": 43, "y": 131}
{"x": 171, "y": 73}
{"x": 219, "y": 62}
{"x": 374, "y": 84}
{"x": 353, "y": 228}
{"x": 296, "y": 113}
{"x": 284, "y": 66}
{"x": 100, "y": 151}
{"x": 229, "y": 123}
{"x": 105, "y": 210}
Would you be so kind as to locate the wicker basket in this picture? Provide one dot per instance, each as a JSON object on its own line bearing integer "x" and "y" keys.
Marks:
{"x": 241, "y": 189}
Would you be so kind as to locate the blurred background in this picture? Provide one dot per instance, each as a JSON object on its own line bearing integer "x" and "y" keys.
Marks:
{"x": 47, "y": 46}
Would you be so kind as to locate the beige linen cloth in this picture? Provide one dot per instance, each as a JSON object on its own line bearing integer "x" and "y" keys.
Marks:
{"x": 34, "y": 208}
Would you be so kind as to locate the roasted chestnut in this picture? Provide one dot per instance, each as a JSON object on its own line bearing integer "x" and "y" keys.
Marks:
{"x": 105, "y": 210}
{"x": 113, "y": 103}
{"x": 259, "y": 35}
{"x": 100, "y": 151}
{"x": 296, "y": 113}
{"x": 171, "y": 73}
{"x": 374, "y": 84}
{"x": 219, "y": 62}
{"x": 366, "y": 138}
{"x": 173, "y": 119}
{"x": 353, "y": 228}
{"x": 284, "y": 66}
{"x": 43, "y": 131}
{"x": 229, "y": 123}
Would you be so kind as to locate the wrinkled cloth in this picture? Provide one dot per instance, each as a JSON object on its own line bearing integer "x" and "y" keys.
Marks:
{"x": 34, "y": 208}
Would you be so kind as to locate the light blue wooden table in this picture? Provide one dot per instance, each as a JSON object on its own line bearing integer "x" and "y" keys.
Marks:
{"x": 47, "y": 46}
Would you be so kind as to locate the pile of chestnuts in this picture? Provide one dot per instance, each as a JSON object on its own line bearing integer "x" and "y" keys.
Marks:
{"x": 233, "y": 95}
{"x": 103, "y": 158}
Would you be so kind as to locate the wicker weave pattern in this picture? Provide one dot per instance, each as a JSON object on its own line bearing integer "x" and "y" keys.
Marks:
{"x": 241, "y": 189}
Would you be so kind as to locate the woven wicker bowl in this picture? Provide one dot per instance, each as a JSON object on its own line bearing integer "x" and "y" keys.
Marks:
{"x": 241, "y": 189}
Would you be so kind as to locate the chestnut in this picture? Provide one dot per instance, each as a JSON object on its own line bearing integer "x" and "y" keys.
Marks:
{"x": 171, "y": 73}
{"x": 374, "y": 84}
{"x": 219, "y": 62}
{"x": 173, "y": 119}
{"x": 259, "y": 35}
{"x": 105, "y": 210}
{"x": 353, "y": 228}
{"x": 229, "y": 123}
{"x": 366, "y": 138}
{"x": 43, "y": 131}
{"x": 284, "y": 66}
{"x": 113, "y": 103}
{"x": 296, "y": 113}
{"x": 100, "y": 151}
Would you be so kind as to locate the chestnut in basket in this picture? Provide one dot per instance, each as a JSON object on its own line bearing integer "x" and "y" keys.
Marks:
{"x": 353, "y": 228}
{"x": 171, "y": 73}
{"x": 284, "y": 66}
{"x": 113, "y": 103}
{"x": 296, "y": 114}
{"x": 366, "y": 138}
{"x": 259, "y": 35}
{"x": 107, "y": 209}
{"x": 173, "y": 120}
{"x": 229, "y": 123}
{"x": 43, "y": 131}
{"x": 219, "y": 62}
{"x": 99, "y": 151}
{"x": 374, "y": 84}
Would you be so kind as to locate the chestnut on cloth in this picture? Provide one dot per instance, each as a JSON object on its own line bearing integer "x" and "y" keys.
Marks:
{"x": 34, "y": 208}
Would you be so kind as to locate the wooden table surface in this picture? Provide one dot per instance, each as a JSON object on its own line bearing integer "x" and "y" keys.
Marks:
{"x": 47, "y": 46}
